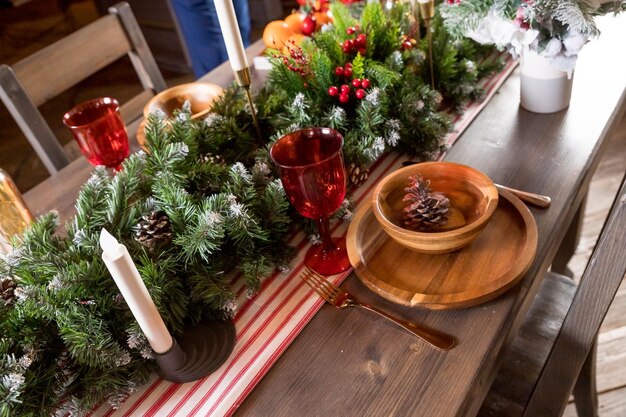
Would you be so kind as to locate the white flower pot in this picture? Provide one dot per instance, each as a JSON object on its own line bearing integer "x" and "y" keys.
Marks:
{"x": 544, "y": 89}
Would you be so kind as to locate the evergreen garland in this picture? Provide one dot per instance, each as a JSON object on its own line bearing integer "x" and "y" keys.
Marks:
{"x": 68, "y": 339}
{"x": 400, "y": 110}
{"x": 70, "y": 335}
{"x": 554, "y": 16}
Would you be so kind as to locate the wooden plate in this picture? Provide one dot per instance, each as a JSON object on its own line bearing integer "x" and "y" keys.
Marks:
{"x": 486, "y": 268}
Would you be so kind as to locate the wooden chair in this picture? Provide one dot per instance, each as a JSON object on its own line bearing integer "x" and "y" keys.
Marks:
{"x": 34, "y": 80}
{"x": 553, "y": 355}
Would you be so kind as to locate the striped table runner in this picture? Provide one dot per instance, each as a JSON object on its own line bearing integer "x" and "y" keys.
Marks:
{"x": 270, "y": 320}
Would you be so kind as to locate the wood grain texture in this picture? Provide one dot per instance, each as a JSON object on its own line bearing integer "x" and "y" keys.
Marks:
{"x": 611, "y": 404}
{"x": 598, "y": 286}
{"x": 524, "y": 360}
{"x": 75, "y": 57}
{"x": 484, "y": 269}
{"x": 472, "y": 195}
{"x": 554, "y": 155}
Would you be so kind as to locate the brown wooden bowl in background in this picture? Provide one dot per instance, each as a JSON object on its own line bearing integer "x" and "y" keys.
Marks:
{"x": 200, "y": 95}
{"x": 473, "y": 200}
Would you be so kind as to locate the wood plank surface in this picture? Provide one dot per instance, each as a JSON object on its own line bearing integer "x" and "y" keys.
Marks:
{"x": 76, "y": 56}
{"x": 611, "y": 404}
{"x": 554, "y": 155}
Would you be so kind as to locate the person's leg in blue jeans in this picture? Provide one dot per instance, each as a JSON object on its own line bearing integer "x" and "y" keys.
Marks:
{"x": 202, "y": 32}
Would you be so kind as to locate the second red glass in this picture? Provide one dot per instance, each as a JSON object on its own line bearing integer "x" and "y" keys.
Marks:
{"x": 312, "y": 171}
{"x": 99, "y": 129}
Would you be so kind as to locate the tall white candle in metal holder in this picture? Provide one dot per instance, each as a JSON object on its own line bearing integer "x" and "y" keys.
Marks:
{"x": 125, "y": 274}
{"x": 203, "y": 348}
{"x": 236, "y": 52}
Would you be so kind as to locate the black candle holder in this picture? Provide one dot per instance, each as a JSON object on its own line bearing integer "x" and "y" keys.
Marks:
{"x": 202, "y": 349}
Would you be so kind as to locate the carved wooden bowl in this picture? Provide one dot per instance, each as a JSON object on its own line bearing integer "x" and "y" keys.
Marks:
{"x": 473, "y": 200}
{"x": 199, "y": 94}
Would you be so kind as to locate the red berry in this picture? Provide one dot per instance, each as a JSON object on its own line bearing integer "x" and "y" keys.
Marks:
{"x": 347, "y": 72}
{"x": 360, "y": 93}
{"x": 351, "y": 30}
{"x": 362, "y": 51}
{"x": 407, "y": 45}
{"x": 343, "y": 98}
{"x": 348, "y": 65}
{"x": 361, "y": 39}
{"x": 365, "y": 83}
{"x": 346, "y": 44}
{"x": 339, "y": 71}
{"x": 345, "y": 89}
{"x": 308, "y": 25}
{"x": 333, "y": 91}
{"x": 356, "y": 83}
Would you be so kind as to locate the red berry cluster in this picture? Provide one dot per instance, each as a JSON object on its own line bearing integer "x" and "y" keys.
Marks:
{"x": 454, "y": 1}
{"x": 345, "y": 71}
{"x": 360, "y": 85}
{"x": 298, "y": 62}
{"x": 356, "y": 44}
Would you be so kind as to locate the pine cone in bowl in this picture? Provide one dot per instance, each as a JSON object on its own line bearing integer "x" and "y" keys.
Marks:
{"x": 445, "y": 223}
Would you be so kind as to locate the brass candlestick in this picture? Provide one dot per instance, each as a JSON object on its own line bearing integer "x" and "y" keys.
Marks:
{"x": 244, "y": 79}
{"x": 427, "y": 10}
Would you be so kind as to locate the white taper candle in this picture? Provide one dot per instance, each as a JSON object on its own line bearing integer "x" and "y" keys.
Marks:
{"x": 125, "y": 274}
{"x": 232, "y": 35}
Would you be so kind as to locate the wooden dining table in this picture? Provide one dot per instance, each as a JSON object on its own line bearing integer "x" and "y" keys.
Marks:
{"x": 347, "y": 362}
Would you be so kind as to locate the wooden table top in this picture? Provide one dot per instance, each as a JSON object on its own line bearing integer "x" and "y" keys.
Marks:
{"x": 351, "y": 363}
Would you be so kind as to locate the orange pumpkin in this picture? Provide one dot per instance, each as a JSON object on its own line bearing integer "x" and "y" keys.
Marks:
{"x": 321, "y": 19}
{"x": 294, "y": 22}
{"x": 276, "y": 34}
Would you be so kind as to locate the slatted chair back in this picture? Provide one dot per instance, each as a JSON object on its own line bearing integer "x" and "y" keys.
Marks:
{"x": 553, "y": 355}
{"x": 36, "y": 79}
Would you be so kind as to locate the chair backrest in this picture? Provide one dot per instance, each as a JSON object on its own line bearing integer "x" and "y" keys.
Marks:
{"x": 34, "y": 80}
{"x": 574, "y": 346}
{"x": 553, "y": 354}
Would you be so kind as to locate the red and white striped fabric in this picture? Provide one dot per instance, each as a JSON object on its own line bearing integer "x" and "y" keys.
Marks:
{"x": 268, "y": 322}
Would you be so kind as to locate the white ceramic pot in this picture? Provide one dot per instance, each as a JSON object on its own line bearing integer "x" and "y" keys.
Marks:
{"x": 544, "y": 89}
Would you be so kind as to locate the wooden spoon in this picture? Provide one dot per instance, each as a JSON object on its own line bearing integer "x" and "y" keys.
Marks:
{"x": 538, "y": 200}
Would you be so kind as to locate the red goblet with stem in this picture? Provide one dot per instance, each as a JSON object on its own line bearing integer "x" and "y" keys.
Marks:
{"x": 310, "y": 162}
{"x": 99, "y": 129}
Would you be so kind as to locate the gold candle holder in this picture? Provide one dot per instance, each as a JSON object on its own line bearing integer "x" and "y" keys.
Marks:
{"x": 244, "y": 79}
{"x": 427, "y": 11}
{"x": 14, "y": 215}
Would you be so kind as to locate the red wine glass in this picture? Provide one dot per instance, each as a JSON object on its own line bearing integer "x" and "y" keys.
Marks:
{"x": 99, "y": 129}
{"x": 310, "y": 162}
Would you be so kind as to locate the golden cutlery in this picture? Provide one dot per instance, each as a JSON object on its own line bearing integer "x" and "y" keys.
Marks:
{"x": 340, "y": 298}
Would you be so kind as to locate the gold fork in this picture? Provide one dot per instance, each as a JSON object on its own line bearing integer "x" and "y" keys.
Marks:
{"x": 340, "y": 298}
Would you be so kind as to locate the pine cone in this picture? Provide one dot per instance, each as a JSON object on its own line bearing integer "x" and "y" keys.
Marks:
{"x": 357, "y": 175}
{"x": 427, "y": 209}
{"x": 7, "y": 290}
{"x": 154, "y": 230}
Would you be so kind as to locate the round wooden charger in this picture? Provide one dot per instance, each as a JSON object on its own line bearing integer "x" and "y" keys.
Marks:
{"x": 486, "y": 268}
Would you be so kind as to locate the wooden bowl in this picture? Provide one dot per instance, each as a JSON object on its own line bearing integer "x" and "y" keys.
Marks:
{"x": 473, "y": 200}
{"x": 200, "y": 95}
